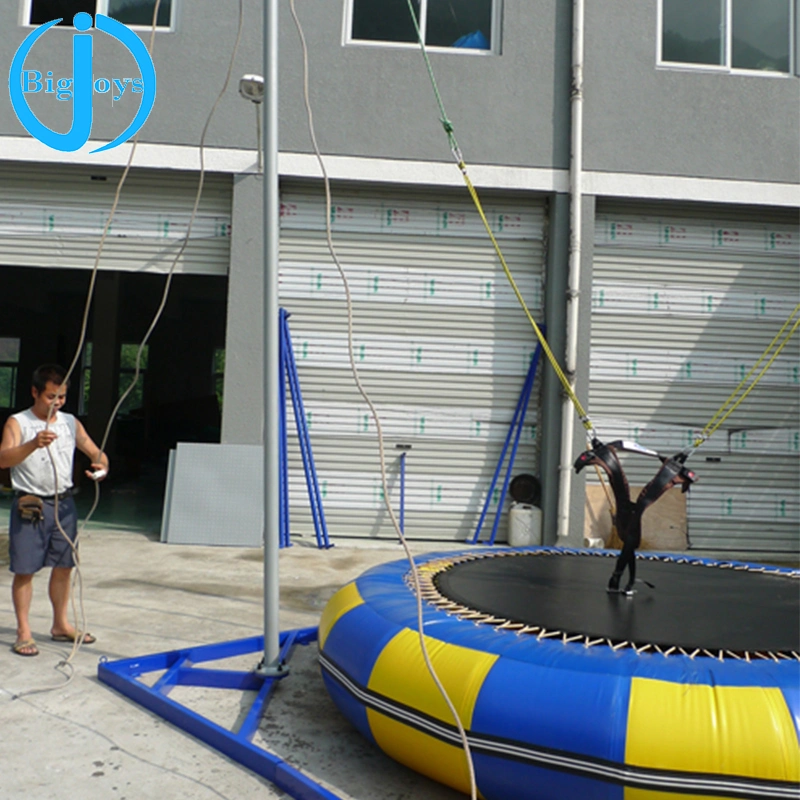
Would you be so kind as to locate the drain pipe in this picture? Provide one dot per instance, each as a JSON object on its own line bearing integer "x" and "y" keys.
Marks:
{"x": 573, "y": 291}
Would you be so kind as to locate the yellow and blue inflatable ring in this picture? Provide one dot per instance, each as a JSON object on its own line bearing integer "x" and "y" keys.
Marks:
{"x": 552, "y": 715}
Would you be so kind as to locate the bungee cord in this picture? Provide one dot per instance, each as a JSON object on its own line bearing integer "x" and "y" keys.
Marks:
{"x": 376, "y": 417}
{"x": 727, "y": 408}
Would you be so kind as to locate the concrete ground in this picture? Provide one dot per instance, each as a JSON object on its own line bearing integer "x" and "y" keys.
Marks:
{"x": 67, "y": 737}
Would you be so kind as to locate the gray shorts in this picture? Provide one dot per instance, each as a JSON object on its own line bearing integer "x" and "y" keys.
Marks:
{"x": 33, "y": 545}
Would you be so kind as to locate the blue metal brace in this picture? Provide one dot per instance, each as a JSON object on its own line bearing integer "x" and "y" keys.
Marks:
{"x": 123, "y": 675}
{"x": 515, "y": 430}
{"x": 289, "y": 374}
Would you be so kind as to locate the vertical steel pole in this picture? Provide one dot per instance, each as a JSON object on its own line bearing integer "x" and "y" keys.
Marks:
{"x": 271, "y": 662}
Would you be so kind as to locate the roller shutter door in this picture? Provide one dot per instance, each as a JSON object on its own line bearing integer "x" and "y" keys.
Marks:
{"x": 440, "y": 343}
{"x": 683, "y": 304}
{"x": 54, "y": 216}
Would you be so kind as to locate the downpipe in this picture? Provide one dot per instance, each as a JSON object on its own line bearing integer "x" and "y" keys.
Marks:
{"x": 573, "y": 290}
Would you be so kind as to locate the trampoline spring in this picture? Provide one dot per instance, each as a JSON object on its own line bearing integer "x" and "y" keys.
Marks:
{"x": 508, "y": 625}
{"x": 567, "y": 639}
{"x": 693, "y": 654}
{"x": 796, "y": 655}
{"x": 642, "y": 649}
{"x": 733, "y": 655}
{"x": 670, "y": 650}
{"x": 548, "y": 634}
{"x": 620, "y": 645}
{"x": 761, "y": 655}
{"x": 529, "y": 629}
{"x": 709, "y": 653}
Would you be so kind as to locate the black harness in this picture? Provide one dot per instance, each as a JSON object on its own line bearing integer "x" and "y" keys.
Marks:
{"x": 628, "y": 517}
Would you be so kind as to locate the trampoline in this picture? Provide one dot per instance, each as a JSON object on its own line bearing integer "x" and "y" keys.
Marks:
{"x": 690, "y": 688}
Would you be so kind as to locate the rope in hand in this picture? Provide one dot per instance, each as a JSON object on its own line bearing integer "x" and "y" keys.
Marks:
{"x": 77, "y": 579}
{"x": 376, "y": 417}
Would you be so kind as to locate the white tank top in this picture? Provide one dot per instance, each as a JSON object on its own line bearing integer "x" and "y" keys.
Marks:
{"x": 35, "y": 474}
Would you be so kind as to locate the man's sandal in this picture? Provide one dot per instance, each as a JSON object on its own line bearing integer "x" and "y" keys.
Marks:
{"x": 25, "y": 647}
{"x": 70, "y": 637}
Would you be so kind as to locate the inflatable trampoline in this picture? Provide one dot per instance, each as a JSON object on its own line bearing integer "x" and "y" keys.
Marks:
{"x": 568, "y": 692}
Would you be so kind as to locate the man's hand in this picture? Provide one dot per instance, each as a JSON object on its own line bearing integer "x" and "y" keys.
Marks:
{"x": 45, "y": 438}
{"x": 97, "y": 472}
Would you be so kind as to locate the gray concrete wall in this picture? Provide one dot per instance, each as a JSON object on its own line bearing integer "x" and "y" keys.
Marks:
{"x": 378, "y": 101}
{"x": 368, "y": 101}
{"x": 511, "y": 108}
{"x": 243, "y": 405}
{"x": 643, "y": 119}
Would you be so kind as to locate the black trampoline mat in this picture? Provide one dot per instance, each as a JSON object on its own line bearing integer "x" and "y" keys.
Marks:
{"x": 693, "y": 606}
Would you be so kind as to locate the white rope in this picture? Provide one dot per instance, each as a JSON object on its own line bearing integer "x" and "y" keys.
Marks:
{"x": 375, "y": 415}
{"x": 77, "y": 578}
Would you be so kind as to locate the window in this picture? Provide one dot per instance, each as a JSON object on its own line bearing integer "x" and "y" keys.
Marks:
{"x": 127, "y": 369}
{"x": 751, "y": 35}
{"x": 467, "y": 24}
{"x": 9, "y": 361}
{"x": 218, "y": 373}
{"x": 136, "y": 13}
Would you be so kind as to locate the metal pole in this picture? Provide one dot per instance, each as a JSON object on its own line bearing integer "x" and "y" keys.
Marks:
{"x": 271, "y": 663}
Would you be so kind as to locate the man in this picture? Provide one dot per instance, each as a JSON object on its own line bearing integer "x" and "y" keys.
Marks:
{"x": 39, "y": 446}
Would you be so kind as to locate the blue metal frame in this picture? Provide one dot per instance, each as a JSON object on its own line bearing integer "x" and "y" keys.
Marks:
{"x": 123, "y": 675}
{"x": 516, "y": 424}
{"x": 283, "y": 453}
{"x": 288, "y": 371}
{"x": 403, "y": 492}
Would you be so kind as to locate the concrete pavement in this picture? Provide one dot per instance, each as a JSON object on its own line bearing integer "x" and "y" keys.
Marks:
{"x": 64, "y": 734}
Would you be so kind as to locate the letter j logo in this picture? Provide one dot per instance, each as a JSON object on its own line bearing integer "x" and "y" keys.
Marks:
{"x": 21, "y": 82}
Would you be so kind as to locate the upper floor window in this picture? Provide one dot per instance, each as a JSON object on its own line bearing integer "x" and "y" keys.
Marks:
{"x": 728, "y": 34}
{"x": 135, "y": 13}
{"x": 467, "y": 24}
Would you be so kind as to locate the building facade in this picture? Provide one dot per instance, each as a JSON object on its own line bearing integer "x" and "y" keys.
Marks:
{"x": 672, "y": 151}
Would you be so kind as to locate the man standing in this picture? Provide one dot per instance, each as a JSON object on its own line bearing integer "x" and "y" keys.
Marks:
{"x": 39, "y": 446}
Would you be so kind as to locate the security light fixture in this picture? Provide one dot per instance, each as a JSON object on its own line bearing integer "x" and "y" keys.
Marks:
{"x": 251, "y": 87}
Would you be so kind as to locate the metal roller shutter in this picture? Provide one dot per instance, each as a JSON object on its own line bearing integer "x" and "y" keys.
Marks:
{"x": 53, "y": 216}
{"x": 441, "y": 346}
{"x": 683, "y": 304}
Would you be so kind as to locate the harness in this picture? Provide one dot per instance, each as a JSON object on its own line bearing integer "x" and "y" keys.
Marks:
{"x": 628, "y": 516}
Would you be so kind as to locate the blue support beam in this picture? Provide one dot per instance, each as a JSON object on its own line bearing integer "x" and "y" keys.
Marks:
{"x": 123, "y": 675}
{"x": 514, "y": 431}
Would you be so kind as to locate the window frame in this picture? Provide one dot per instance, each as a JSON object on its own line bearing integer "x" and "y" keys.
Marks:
{"x": 14, "y": 367}
{"x": 101, "y": 7}
{"x": 124, "y": 374}
{"x": 726, "y": 68}
{"x": 494, "y": 50}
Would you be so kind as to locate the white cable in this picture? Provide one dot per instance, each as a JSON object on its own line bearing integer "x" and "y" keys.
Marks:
{"x": 375, "y": 416}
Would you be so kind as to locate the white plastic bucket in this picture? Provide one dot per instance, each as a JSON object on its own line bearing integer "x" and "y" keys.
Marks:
{"x": 524, "y": 525}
